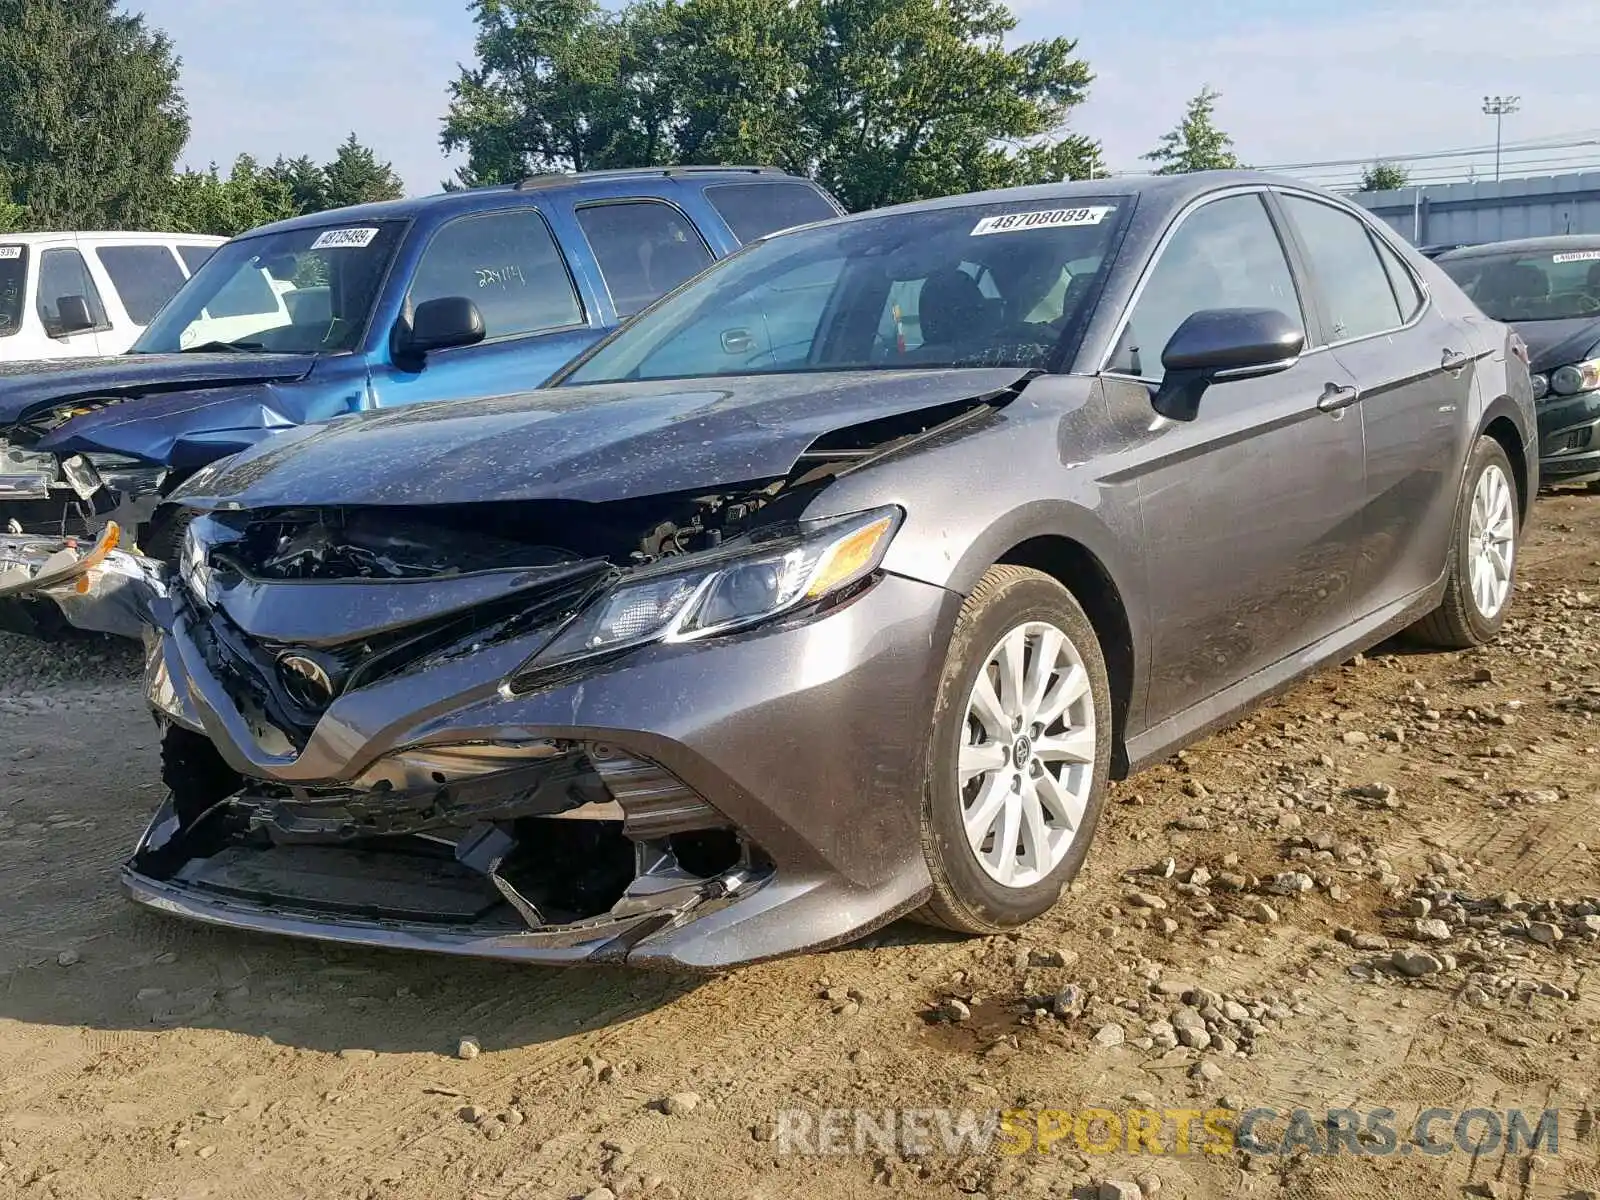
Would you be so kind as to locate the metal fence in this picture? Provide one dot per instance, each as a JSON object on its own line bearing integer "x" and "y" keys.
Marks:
{"x": 1490, "y": 212}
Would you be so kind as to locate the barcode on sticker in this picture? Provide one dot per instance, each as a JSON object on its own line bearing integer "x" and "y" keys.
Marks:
{"x": 1577, "y": 256}
{"x": 1049, "y": 218}
{"x": 335, "y": 239}
{"x": 10, "y": 251}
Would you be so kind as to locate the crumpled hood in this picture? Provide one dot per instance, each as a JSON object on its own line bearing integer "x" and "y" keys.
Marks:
{"x": 1553, "y": 344}
{"x": 28, "y": 388}
{"x": 598, "y": 443}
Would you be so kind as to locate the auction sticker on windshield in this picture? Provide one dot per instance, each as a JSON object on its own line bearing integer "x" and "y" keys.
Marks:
{"x": 1049, "y": 218}
{"x": 10, "y": 251}
{"x": 330, "y": 239}
{"x": 1577, "y": 256}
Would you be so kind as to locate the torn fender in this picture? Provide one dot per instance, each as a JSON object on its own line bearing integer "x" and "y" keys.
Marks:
{"x": 96, "y": 586}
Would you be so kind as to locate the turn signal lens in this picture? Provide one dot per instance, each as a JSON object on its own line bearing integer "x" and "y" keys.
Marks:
{"x": 848, "y": 559}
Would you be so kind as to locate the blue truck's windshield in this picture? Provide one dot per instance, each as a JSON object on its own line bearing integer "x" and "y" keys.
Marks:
{"x": 303, "y": 291}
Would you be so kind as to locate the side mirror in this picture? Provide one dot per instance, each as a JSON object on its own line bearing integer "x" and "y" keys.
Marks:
{"x": 443, "y": 324}
{"x": 1219, "y": 344}
{"x": 73, "y": 316}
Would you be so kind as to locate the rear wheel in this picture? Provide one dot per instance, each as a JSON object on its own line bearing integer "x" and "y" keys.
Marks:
{"x": 1019, "y": 756}
{"x": 1482, "y": 567}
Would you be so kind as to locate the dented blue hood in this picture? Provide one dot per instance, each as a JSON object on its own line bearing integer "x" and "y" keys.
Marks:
{"x": 166, "y": 408}
{"x": 30, "y": 388}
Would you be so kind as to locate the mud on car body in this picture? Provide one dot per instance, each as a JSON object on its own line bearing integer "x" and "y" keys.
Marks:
{"x": 835, "y": 587}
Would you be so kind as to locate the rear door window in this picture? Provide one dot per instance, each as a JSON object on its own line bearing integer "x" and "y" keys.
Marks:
{"x": 62, "y": 272}
{"x": 508, "y": 264}
{"x": 753, "y": 210}
{"x": 146, "y": 277}
{"x": 1405, "y": 286}
{"x": 13, "y": 286}
{"x": 644, "y": 249}
{"x": 1351, "y": 279}
{"x": 194, "y": 257}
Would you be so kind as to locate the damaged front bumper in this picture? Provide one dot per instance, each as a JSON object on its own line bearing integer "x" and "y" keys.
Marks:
{"x": 727, "y": 800}
{"x": 45, "y": 493}
{"x": 689, "y": 806}
{"x": 90, "y": 583}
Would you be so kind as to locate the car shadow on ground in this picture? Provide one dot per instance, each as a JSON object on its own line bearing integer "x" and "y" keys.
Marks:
{"x": 129, "y": 970}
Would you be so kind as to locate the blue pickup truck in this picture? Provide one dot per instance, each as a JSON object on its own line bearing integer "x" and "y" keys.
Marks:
{"x": 465, "y": 294}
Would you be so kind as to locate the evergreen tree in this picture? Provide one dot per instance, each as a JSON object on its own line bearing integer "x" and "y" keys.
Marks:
{"x": 91, "y": 120}
{"x": 1196, "y": 144}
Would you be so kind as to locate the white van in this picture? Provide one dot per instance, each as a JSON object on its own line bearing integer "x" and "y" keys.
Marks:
{"x": 83, "y": 295}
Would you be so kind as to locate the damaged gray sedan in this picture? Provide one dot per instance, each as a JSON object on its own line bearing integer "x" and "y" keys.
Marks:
{"x": 833, "y": 588}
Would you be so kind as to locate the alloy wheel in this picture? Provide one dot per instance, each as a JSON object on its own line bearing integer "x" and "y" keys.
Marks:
{"x": 1491, "y": 541}
{"x": 1026, "y": 762}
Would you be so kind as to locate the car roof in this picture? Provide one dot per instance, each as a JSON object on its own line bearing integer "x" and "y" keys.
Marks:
{"x": 102, "y": 235}
{"x": 1533, "y": 245}
{"x": 1172, "y": 191}
{"x": 469, "y": 200}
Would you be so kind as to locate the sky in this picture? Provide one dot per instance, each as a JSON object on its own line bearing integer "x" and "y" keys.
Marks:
{"x": 1302, "y": 81}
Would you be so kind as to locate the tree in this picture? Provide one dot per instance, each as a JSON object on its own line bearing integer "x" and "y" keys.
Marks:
{"x": 355, "y": 176}
{"x": 206, "y": 202}
{"x": 12, "y": 216}
{"x": 1196, "y": 144}
{"x": 879, "y": 100}
{"x": 91, "y": 120}
{"x": 306, "y": 181}
{"x": 1384, "y": 177}
{"x": 910, "y": 99}
{"x": 548, "y": 91}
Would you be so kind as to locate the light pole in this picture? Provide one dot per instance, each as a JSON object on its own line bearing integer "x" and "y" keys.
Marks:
{"x": 1497, "y": 107}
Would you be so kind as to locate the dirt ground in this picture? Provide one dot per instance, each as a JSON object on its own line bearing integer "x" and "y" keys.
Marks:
{"x": 1374, "y": 821}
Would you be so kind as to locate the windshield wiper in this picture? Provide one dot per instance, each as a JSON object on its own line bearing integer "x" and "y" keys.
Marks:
{"x": 205, "y": 347}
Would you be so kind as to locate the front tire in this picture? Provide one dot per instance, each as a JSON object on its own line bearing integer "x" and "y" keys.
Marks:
{"x": 162, "y": 538}
{"x": 1019, "y": 756}
{"x": 1481, "y": 572}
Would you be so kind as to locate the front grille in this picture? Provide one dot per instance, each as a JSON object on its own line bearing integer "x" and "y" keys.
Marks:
{"x": 249, "y": 669}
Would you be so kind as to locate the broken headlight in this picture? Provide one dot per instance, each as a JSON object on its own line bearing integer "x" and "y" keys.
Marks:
{"x": 728, "y": 593}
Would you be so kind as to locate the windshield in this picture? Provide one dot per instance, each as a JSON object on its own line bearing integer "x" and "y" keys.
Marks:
{"x": 1521, "y": 286}
{"x": 989, "y": 285}
{"x": 306, "y": 291}
{"x": 13, "y": 283}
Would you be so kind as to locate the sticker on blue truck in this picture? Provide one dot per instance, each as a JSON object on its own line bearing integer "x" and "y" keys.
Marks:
{"x": 10, "y": 252}
{"x": 1048, "y": 218}
{"x": 338, "y": 239}
{"x": 1576, "y": 256}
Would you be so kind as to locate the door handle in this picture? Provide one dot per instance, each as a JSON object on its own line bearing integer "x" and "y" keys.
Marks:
{"x": 1454, "y": 360}
{"x": 1336, "y": 398}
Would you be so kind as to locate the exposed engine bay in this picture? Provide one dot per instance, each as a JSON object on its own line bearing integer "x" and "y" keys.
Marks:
{"x": 321, "y": 544}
